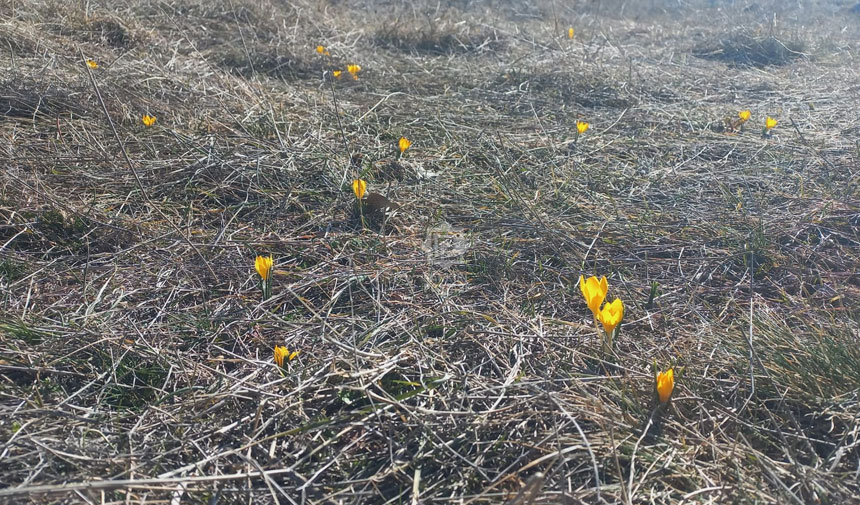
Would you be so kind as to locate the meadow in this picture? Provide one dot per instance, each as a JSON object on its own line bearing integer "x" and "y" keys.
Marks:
{"x": 437, "y": 347}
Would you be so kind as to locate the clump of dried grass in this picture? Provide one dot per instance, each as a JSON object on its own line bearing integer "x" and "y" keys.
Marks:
{"x": 741, "y": 49}
{"x": 437, "y": 38}
{"x": 25, "y": 96}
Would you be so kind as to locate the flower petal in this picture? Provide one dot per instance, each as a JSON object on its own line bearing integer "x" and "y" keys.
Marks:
{"x": 665, "y": 384}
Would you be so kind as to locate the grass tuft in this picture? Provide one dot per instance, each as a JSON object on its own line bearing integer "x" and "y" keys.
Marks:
{"x": 743, "y": 50}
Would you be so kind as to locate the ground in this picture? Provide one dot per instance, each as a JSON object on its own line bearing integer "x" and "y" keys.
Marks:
{"x": 445, "y": 351}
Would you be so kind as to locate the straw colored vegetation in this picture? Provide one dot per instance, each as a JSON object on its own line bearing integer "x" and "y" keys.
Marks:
{"x": 421, "y": 336}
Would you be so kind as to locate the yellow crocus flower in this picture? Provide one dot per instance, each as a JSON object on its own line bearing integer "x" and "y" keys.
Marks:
{"x": 263, "y": 264}
{"x": 354, "y": 70}
{"x": 92, "y": 64}
{"x": 770, "y": 123}
{"x": 336, "y": 73}
{"x": 570, "y": 33}
{"x": 281, "y": 353}
{"x": 582, "y": 127}
{"x": 665, "y": 384}
{"x": 359, "y": 187}
{"x": 744, "y": 115}
{"x": 404, "y": 144}
{"x": 611, "y": 315}
{"x": 594, "y": 291}
{"x": 148, "y": 120}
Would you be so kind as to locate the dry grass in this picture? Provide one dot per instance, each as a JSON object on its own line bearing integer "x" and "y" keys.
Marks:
{"x": 741, "y": 49}
{"x": 446, "y": 352}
